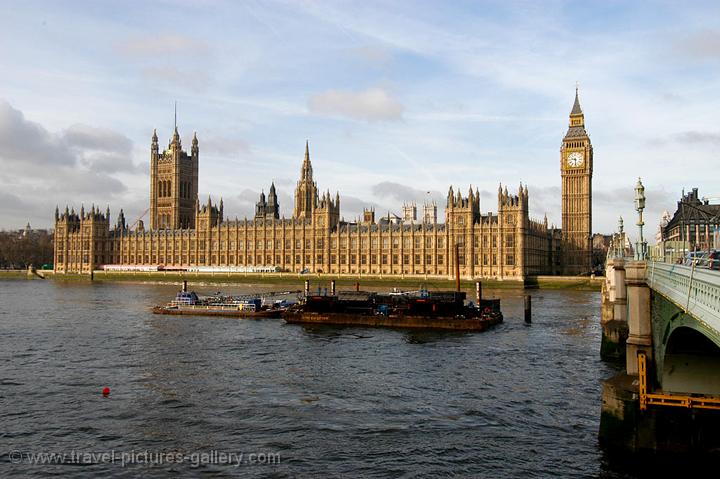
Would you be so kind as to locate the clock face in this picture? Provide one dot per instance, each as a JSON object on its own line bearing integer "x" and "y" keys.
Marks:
{"x": 575, "y": 159}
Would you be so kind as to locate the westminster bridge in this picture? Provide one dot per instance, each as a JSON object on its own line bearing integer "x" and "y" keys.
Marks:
{"x": 664, "y": 318}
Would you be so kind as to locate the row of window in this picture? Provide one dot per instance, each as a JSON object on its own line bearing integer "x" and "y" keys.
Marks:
{"x": 383, "y": 259}
{"x": 319, "y": 243}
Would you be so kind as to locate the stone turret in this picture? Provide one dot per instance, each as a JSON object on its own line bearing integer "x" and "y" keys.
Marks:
{"x": 306, "y": 194}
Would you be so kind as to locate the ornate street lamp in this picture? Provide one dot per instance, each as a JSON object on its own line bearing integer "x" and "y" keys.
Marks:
{"x": 641, "y": 245}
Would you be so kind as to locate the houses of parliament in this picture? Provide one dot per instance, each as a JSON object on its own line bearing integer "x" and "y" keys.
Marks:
{"x": 185, "y": 234}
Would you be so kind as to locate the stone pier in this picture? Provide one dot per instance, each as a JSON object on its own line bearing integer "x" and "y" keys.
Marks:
{"x": 614, "y": 311}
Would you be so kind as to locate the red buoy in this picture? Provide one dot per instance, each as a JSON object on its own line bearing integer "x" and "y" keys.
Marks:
{"x": 106, "y": 391}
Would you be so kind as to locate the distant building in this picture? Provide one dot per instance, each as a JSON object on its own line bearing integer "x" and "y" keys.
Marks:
{"x": 186, "y": 235}
{"x": 600, "y": 245}
{"x": 695, "y": 221}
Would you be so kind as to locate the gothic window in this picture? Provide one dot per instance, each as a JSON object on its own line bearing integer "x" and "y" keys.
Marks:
{"x": 509, "y": 240}
{"x": 440, "y": 259}
{"x": 395, "y": 259}
{"x": 428, "y": 259}
{"x": 428, "y": 242}
{"x": 510, "y": 259}
{"x": 440, "y": 242}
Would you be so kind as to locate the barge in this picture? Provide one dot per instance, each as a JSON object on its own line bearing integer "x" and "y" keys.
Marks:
{"x": 189, "y": 303}
{"x": 443, "y": 310}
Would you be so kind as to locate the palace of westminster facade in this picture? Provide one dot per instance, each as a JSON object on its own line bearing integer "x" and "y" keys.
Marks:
{"x": 187, "y": 235}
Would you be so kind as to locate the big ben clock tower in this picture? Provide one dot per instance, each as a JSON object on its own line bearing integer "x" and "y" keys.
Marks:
{"x": 576, "y": 162}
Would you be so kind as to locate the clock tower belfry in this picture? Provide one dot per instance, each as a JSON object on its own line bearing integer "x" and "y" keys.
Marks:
{"x": 576, "y": 164}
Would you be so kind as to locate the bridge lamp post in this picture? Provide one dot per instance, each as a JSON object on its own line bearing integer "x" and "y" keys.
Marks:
{"x": 641, "y": 245}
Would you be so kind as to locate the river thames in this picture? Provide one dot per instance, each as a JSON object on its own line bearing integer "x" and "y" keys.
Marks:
{"x": 221, "y": 397}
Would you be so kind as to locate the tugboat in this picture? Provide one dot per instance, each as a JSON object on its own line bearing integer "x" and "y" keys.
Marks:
{"x": 247, "y": 306}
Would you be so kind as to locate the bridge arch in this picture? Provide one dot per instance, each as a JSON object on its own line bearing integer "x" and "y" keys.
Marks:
{"x": 690, "y": 363}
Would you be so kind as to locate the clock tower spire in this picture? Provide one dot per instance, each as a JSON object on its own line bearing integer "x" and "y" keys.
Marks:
{"x": 576, "y": 163}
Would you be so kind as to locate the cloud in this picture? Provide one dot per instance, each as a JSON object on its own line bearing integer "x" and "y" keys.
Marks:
{"x": 224, "y": 145}
{"x": 162, "y": 45}
{"x": 403, "y": 193}
{"x": 699, "y": 137}
{"x": 191, "y": 79}
{"x": 702, "y": 45}
{"x": 28, "y": 142}
{"x": 169, "y": 59}
{"x": 373, "y": 104}
{"x": 43, "y": 168}
{"x": 83, "y": 136}
{"x": 100, "y": 149}
{"x": 374, "y": 55}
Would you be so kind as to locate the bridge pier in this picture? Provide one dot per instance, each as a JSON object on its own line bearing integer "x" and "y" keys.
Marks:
{"x": 639, "y": 320}
{"x": 614, "y": 312}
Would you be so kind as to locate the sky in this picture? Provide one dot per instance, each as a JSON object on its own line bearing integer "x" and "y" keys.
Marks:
{"x": 398, "y": 100}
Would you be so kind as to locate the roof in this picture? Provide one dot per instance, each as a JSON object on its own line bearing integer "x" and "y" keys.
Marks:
{"x": 576, "y": 132}
{"x": 576, "y": 109}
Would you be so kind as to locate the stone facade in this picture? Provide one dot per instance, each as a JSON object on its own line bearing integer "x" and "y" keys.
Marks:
{"x": 576, "y": 165}
{"x": 507, "y": 244}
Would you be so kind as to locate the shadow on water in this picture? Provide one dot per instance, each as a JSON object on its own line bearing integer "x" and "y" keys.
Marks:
{"x": 621, "y": 465}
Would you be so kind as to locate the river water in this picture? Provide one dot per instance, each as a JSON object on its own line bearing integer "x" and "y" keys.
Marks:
{"x": 514, "y": 401}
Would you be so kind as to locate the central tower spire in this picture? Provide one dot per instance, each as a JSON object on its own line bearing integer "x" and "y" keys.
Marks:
{"x": 306, "y": 172}
{"x": 306, "y": 196}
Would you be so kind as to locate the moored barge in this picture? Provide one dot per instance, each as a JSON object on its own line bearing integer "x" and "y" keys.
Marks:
{"x": 189, "y": 303}
{"x": 443, "y": 310}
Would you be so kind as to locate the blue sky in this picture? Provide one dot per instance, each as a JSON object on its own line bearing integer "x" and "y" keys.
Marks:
{"x": 396, "y": 99}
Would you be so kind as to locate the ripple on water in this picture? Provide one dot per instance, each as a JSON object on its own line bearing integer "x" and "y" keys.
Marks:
{"x": 515, "y": 401}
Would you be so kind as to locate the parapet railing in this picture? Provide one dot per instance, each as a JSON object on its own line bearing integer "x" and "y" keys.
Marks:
{"x": 695, "y": 290}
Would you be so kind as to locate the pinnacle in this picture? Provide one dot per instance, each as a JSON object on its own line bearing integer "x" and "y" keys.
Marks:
{"x": 576, "y": 109}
